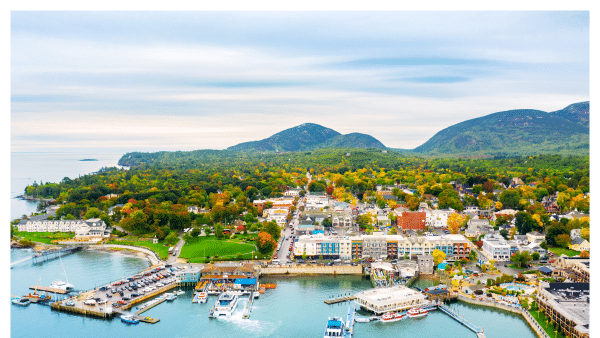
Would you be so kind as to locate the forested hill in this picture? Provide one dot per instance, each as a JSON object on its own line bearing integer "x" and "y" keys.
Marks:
{"x": 309, "y": 136}
{"x": 514, "y": 133}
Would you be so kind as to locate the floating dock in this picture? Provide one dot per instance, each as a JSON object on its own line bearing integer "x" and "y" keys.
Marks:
{"x": 463, "y": 321}
{"x": 349, "y": 331}
{"x": 339, "y": 299}
{"x": 150, "y": 305}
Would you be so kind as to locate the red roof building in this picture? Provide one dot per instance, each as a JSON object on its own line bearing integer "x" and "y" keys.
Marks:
{"x": 411, "y": 221}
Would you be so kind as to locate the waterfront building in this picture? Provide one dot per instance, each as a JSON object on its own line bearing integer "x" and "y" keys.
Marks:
{"x": 380, "y": 246}
{"x": 568, "y": 305}
{"x": 396, "y": 298}
{"x": 93, "y": 227}
{"x": 496, "y": 247}
{"x": 188, "y": 275}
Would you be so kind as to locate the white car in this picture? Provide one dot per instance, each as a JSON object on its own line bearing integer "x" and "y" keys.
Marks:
{"x": 102, "y": 301}
{"x": 89, "y": 302}
{"x": 160, "y": 285}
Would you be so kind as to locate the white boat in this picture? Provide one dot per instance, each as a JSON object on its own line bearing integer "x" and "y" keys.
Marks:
{"x": 224, "y": 306}
{"x": 20, "y": 301}
{"x": 129, "y": 319}
{"x": 179, "y": 292}
{"x": 58, "y": 284}
{"x": 202, "y": 297}
{"x": 417, "y": 312}
{"x": 170, "y": 296}
{"x": 334, "y": 328}
{"x": 391, "y": 317}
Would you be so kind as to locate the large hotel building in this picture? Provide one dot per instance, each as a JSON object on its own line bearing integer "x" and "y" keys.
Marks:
{"x": 378, "y": 246}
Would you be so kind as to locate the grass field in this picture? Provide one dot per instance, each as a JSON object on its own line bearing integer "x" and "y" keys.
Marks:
{"x": 541, "y": 319}
{"x": 44, "y": 237}
{"x": 160, "y": 249}
{"x": 211, "y": 246}
{"x": 564, "y": 251}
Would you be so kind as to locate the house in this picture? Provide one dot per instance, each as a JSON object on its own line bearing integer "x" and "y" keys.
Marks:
{"x": 575, "y": 233}
{"x": 496, "y": 247}
{"x": 470, "y": 290}
{"x": 437, "y": 218}
{"x": 534, "y": 247}
{"x": 193, "y": 209}
{"x": 580, "y": 244}
{"x": 383, "y": 220}
{"x": 111, "y": 209}
{"x": 535, "y": 236}
{"x": 292, "y": 192}
{"x": 425, "y": 263}
{"x": 521, "y": 239}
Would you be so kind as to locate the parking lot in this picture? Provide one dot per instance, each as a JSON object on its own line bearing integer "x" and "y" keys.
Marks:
{"x": 122, "y": 292}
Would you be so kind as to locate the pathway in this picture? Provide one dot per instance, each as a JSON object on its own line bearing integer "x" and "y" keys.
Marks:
{"x": 154, "y": 259}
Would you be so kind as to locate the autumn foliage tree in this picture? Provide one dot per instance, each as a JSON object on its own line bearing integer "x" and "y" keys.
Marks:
{"x": 438, "y": 256}
{"x": 455, "y": 221}
{"x": 584, "y": 254}
{"x": 265, "y": 242}
{"x": 563, "y": 240}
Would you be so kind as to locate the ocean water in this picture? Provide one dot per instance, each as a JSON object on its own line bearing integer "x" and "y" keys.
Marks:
{"x": 27, "y": 168}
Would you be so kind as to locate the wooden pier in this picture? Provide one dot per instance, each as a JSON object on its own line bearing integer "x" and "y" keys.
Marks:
{"x": 339, "y": 299}
{"x": 44, "y": 256}
{"x": 49, "y": 289}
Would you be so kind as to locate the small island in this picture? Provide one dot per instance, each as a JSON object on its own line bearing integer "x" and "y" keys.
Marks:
{"x": 89, "y": 159}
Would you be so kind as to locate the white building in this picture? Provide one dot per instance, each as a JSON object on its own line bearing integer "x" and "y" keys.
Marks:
{"x": 93, "y": 227}
{"x": 396, "y": 298}
{"x": 437, "y": 218}
{"x": 279, "y": 215}
{"x": 496, "y": 247}
{"x": 292, "y": 192}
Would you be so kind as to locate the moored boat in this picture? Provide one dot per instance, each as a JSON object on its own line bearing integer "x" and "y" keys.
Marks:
{"x": 202, "y": 297}
{"x": 179, "y": 292}
{"x": 224, "y": 306}
{"x": 129, "y": 319}
{"x": 170, "y": 296}
{"x": 417, "y": 312}
{"x": 20, "y": 301}
{"x": 334, "y": 328}
{"x": 391, "y": 317}
{"x": 37, "y": 298}
{"x": 58, "y": 284}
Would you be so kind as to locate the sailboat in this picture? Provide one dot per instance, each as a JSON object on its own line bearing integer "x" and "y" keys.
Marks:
{"x": 59, "y": 284}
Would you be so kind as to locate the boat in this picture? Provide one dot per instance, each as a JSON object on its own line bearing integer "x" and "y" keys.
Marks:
{"x": 334, "y": 328}
{"x": 391, "y": 317}
{"x": 179, "y": 292}
{"x": 202, "y": 297}
{"x": 224, "y": 306}
{"x": 417, "y": 312}
{"x": 20, "y": 301}
{"x": 129, "y": 319}
{"x": 37, "y": 298}
{"x": 58, "y": 284}
{"x": 170, "y": 296}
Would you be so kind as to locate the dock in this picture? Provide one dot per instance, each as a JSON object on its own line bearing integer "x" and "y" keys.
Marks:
{"x": 150, "y": 305}
{"x": 463, "y": 321}
{"x": 44, "y": 256}
{"x": 248, "y": 308}
{"x": 349, "y": 331}
{"x": 339, "y": 299}
{"x": 49, "y": 289}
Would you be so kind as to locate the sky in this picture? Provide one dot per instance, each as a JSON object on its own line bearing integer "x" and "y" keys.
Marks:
{"x": 119, "y": 81}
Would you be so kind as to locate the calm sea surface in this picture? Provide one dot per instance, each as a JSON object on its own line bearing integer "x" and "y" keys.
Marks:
{"x": 294, "y": 309}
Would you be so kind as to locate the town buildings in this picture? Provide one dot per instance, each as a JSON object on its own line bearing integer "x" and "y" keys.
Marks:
{"x": 568, "y": 305}
{"x": 93, "y": 227}
{"x": 396, "y": 298}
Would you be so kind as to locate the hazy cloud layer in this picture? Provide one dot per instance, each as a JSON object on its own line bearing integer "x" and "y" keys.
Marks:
{"x": 190, "y": 80}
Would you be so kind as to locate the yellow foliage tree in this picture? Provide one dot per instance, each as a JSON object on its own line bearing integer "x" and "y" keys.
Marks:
{"x": 438, "y": 256}
{"x": 455, "y": 221}
{"x": 498, "y": 205}
{"x": 585, "y": 233}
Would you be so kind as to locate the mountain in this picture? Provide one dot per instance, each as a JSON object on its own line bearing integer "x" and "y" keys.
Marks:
{"x": 515, "y": 132}
{"x": 309, "y": 136}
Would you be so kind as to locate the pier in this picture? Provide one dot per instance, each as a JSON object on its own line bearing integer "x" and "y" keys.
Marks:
{"x": 463, "y": 321}
{"x": 49, "y": 289}
{"x": 248, "y": 308}
{"x": 339, "y": 299}
{"x": 44, "y": 256}
{"x": 349, "y": 331}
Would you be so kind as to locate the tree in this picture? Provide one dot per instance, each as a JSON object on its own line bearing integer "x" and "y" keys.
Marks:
{"x": 171, "y": 239}
{"x": 563, "y": 240}
{"x": 438, "y": 256}
{"x": 535, "y": 256}
{"x": 510, "y": 198}
{"x": 326, "y": 223}
{"x": 92, "y": 213}
{"x": 524, "y": 222}
{"x": 472, "y": 255}
{"x": 455, "y": 221}
{"x": 585, "y": 233}
{"x": 195, "y": 232}
{"x": 219, "y": 231}
{"x": 265, "y": 242}
{"x": 273, "y": 229}
{"x": 584, "y": 254}
{"x": 393, "y": 231}
{"x": 544, "y": 246}
{"x": 521, "y": 258}
{"x": 504, "y": 233}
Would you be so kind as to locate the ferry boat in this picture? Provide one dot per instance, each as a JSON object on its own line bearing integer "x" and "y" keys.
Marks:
{"x": 20, "y": 301}
{"x": 224, "y": 306}
{"x": 334, "y": 328}
{"x": 129, "y": 319}
{"x": 417, "y": 312}
{"x": 202, "y": 297}
{"x": 391, "y": 317}
{"x": 58, "y": 284}
{"x": 170, "y": 296}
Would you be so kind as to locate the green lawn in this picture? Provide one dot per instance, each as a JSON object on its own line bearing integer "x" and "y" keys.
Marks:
{"x": 515, "y": 266}
{"x": 564, "y": 251}
{"x": 210, "y": 246}
{"x": 161, "y": 249}
{"x": 45, "y": 237}
{"x": 541, "y": 319}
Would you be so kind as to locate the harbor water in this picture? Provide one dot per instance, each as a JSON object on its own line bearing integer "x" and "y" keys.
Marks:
{"x": 294, "y": 309}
